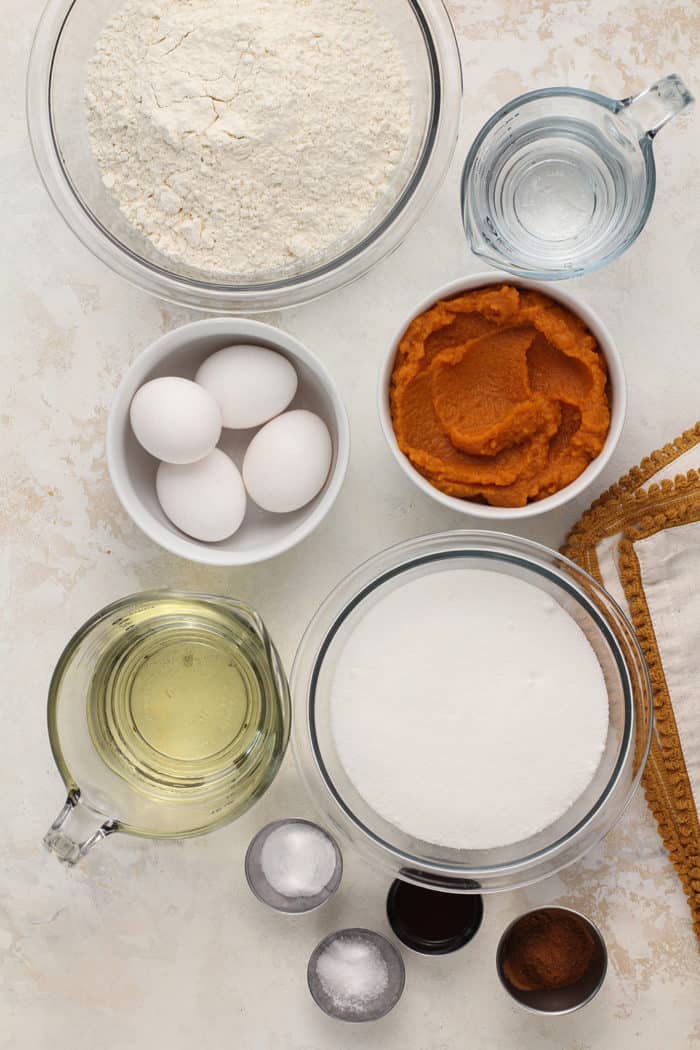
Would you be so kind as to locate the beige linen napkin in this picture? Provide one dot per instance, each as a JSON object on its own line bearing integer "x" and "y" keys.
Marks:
{"x": 641, "y": 540}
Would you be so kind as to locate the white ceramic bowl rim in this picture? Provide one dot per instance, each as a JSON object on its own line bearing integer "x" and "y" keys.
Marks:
{"x": 616, "y": 379}
{"x": 233, "y": 330}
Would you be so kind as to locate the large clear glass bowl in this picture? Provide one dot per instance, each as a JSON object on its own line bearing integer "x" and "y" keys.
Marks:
{"x": 64, "y": 42}
{"x": 383, "y": 845}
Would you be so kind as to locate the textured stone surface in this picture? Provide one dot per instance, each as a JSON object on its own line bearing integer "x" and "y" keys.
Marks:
{"x": 153, "y": 945}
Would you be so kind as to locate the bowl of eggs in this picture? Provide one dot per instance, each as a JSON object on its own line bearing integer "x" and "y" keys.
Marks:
{"x": 227, "y": 441}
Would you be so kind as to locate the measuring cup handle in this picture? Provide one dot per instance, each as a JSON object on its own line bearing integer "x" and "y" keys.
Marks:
{"x": 656, "y": 105}
{"x": 67, "y": 850}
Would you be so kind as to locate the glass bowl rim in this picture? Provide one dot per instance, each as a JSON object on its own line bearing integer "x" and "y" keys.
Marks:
{"x": 519, "y": 549}
{"x": 442, "y": 51}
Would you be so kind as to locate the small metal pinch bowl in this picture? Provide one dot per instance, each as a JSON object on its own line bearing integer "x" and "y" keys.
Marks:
{"x": 556, "y": 1001}
{"x": 356, "y": 975}
{"x": 293, "y": 866}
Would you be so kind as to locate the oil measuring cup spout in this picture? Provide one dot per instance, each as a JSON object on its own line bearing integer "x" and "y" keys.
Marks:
{"x": 255, "y": 623}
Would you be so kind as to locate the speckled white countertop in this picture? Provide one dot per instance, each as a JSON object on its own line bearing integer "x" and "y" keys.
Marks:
{"x": 153, "y": 946}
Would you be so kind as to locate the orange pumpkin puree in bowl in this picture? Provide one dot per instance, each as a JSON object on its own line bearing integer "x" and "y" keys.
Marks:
{"x": 499, "y": 395}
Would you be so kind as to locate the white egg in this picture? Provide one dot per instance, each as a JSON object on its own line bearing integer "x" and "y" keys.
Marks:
{"x": 206, "y": 499}
{"x": 287, "y": 462}
{"x": 250, "y": 383}
{"x": 175, "y": 419}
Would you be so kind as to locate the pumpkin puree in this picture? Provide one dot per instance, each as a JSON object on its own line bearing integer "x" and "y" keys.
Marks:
{"x": 499, "y": 395}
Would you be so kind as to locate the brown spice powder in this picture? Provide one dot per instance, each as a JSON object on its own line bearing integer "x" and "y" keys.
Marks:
{"x": 547, "y": 950}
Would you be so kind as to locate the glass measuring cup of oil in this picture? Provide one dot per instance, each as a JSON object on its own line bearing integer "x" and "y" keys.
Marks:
{"x": 561, "y": 181}
{"x": 168, "y": 717}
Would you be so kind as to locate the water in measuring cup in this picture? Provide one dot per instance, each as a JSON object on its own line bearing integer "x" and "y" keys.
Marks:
{"x": 559, "y": 192}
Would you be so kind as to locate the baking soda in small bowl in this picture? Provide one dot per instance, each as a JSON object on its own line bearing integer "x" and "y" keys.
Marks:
{"x": 293, "y": 866}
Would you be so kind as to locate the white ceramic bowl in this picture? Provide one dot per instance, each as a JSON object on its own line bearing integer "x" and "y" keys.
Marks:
{"x": 133, "y": 470}
{"x": 616, "y": 384}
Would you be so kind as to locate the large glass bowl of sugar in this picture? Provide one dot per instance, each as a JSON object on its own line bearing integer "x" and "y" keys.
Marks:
{"x": 56, "y": 112}
{"x": 324, "y": 755}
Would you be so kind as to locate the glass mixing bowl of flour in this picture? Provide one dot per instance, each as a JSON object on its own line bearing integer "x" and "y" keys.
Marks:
{"x": 546, "y": 728}
{"x": 125, "y": 223}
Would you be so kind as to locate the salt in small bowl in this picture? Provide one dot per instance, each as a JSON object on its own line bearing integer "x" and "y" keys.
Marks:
{"x": 336, "y": 997}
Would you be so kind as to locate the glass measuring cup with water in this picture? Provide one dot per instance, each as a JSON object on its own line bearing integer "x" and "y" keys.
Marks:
{"x": 561, "y": 181}
{"x": 168, "y": 717}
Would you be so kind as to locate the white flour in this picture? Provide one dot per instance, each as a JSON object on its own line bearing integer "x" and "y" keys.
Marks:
{"x": 469, "y": 709}
{"x": 245, "y": 136}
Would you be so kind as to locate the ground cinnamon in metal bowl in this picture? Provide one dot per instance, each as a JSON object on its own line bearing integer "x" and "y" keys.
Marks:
{"x": 547, "y": 950}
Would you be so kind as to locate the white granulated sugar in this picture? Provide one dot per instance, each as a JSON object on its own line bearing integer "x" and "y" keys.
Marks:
{"x": 352, "y": 972}
{"x": 249, "y": 136}
{"x": 469, "y": 709}
{"x": 298, "y": 860}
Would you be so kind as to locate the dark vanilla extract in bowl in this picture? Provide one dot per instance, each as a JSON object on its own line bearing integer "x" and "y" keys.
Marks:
{"x": 433, "y": 921}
